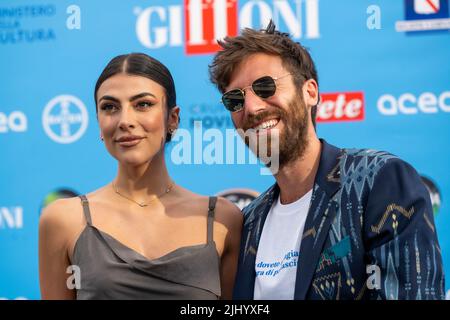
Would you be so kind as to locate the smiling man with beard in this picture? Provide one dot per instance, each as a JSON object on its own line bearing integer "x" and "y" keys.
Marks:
{"x": 338, "y": 223}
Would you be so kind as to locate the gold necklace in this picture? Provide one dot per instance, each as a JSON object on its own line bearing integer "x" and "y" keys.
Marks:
{"x": 142, "y": 204}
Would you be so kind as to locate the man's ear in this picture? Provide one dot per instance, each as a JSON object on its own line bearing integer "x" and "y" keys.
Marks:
{"x": 311, "y": 92}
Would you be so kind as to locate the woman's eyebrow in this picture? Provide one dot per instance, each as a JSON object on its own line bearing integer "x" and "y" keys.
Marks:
{"x": 108, "y": 98}
{"x": 140, "y": 95}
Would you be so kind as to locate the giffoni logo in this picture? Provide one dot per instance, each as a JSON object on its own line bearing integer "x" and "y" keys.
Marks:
{"x": 206, "y": 21}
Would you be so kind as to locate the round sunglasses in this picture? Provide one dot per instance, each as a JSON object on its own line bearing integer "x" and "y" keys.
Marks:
{"x": 263, "y": 87}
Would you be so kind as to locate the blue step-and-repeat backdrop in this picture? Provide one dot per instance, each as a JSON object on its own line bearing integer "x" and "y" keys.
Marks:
{"x": 384, "y": 71}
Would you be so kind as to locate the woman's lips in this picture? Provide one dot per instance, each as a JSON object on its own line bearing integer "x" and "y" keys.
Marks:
{"x": 129, "y": 143}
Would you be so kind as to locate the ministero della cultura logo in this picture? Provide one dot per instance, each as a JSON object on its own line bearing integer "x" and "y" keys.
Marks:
{"x": 65, "y": 119}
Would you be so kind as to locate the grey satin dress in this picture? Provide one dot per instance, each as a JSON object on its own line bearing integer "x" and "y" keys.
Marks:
{"x": 111, "y": 270}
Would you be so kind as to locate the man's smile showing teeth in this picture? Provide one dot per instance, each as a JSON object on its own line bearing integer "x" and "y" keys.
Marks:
{"x": 267, "y": 124}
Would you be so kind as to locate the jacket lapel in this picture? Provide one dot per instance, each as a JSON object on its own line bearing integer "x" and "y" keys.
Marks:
{"x": 320, "y": 215}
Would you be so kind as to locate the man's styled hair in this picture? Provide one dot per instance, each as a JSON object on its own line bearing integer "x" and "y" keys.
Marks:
{"x": 295, "y": 58}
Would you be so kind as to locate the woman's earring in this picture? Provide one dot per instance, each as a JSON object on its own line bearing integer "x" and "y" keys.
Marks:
{"x": 101, "y": 137}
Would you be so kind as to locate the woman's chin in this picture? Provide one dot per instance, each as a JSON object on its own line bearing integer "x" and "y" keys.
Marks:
{"x": 134, "y": 161}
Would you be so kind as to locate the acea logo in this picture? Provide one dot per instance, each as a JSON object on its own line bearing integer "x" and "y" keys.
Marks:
{"x": 65, "y": 119}
{"x": 11, "y": 218}
{"x": 15, "y": 121}
{"x": 205, "y": 21}
{"x": 425, "y": 15}
{"x": 410, "y": 104}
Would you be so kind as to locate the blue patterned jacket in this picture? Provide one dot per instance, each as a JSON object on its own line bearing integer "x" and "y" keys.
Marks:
{"x": 369, "y": 233}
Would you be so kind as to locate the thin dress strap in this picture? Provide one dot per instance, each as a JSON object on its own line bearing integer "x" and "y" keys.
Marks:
{"x": 87, "y": 212}
{"x": 211, "y": 209}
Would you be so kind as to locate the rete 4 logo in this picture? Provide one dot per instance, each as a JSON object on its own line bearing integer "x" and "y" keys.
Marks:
{"x": 342, "y": 106}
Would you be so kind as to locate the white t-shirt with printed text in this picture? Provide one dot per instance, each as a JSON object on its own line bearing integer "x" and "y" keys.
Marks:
{"x": 278, "y": 250}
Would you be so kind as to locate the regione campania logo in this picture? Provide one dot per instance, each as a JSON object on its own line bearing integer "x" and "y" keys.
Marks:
{"x": 425, "y": 15}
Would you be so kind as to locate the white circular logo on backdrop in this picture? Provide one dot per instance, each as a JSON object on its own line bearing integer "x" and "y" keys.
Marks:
{"x": 65, "y": 119}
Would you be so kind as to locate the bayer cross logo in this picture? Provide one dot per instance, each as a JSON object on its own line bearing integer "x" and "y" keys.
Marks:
{"x": 65, "y": 119}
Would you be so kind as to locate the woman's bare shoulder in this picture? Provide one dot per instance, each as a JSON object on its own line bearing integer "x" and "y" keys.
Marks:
{"x": 60, "y": 222}
{"x": 226, "y": 212}
{"x": 62, "y": 213}
{"x": 69, "y": 211}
